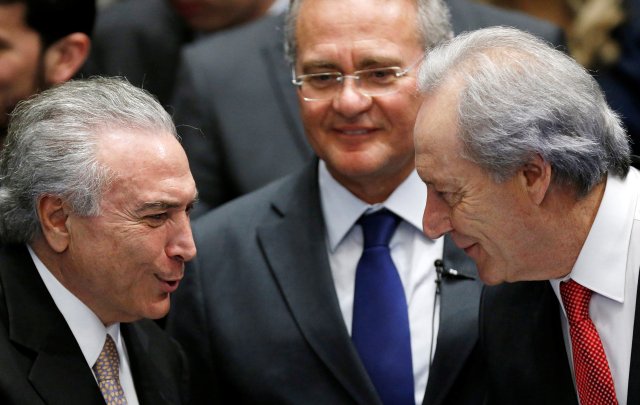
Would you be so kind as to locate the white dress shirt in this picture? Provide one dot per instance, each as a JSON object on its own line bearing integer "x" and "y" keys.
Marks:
{"x": 413, "y": 254}
{"x": 89, "y": 331}
{"x": 608, "y": 264}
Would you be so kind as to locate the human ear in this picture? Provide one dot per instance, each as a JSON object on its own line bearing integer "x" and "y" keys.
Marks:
{"x": 536, "y": 177}
{"x": 53, "y": 221}
{"x": 65, "y": 57}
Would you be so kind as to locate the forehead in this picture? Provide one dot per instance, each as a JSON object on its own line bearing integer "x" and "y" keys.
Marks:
{"x": 438, "y": 147}
{"x": 12, "y": 20}
{"x": 143, "y": 162}
{"x": 333, "y": 29}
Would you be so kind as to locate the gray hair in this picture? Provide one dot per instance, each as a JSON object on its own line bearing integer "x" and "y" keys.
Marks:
{"x": 521, "y": 97}
{"x": 51, "y": 148}
{"x": 434, "y": 24}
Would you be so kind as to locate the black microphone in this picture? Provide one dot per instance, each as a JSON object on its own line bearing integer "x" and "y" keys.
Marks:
{"x": 442, "y": 271}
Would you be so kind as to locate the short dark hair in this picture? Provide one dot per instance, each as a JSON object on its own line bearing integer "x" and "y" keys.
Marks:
{"x": 55, "y": 19}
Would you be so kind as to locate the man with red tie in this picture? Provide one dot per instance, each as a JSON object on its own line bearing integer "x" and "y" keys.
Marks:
{"x": 528, "y": 170}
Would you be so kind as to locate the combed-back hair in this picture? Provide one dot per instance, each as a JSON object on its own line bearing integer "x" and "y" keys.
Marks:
{"x": 520, "y": 97}
{"x": 52, "y": 142}
{"x": 434, "y": 24}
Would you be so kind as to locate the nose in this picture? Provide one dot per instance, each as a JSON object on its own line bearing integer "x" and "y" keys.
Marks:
{"x": 181, "y": 246}
{"x": 436, "y": 220}
{"x": 349, "y": 101}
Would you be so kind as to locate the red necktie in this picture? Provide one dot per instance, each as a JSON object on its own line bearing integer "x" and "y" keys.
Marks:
{"x": 593, "y": 376}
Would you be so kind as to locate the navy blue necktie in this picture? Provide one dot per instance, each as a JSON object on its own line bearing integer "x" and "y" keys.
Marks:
{"x": 380, "y": 328}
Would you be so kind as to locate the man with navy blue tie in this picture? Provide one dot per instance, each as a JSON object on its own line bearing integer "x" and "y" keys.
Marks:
{"x": 322, "y": 288}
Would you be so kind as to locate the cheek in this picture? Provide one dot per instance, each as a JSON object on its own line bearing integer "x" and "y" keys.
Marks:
{"x": 400, "y": 110}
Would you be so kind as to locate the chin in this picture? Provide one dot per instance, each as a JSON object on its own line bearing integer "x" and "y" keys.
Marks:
{"x": 489, "y": 276}
{"x": 158, "y": 310}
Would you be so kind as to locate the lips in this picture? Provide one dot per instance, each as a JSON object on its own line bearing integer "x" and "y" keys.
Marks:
{"x": 354, "y": 131}
{"x": 463, "y": 242}
{"x": 169, "y": 285}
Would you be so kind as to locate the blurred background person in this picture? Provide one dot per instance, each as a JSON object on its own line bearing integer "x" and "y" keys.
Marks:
{"x": 141, "y": 39}
{"x": 42, "y": 43}
{"x": 604, "y": 36}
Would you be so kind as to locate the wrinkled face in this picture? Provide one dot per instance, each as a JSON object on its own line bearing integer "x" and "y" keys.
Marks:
{"x": 490, "y": 221}
{"x": 125, "y": 262}
{"x": 212, "y": 15}
{"x": 363, "y": 139}
{"x": 20, "y": 60}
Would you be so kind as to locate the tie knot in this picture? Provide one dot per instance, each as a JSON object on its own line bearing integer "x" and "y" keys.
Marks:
{"x": 107, "y": 366}
{"x": 378, "y": 227}
{"x": 575, "y": 298}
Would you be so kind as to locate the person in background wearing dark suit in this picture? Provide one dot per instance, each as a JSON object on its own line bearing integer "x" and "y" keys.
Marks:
{"x": 141, "y": 39}
{"x": 94, "y": 220}
{"x": 42, "y": 43}
{"x": 321, "y": 288}
{"x": 234, "y": 98}
{"x": 528, "y": 169}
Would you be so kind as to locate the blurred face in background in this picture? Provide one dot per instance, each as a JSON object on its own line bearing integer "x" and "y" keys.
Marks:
{"x": 21, "y": 60}
{"x": 213, "y": 15}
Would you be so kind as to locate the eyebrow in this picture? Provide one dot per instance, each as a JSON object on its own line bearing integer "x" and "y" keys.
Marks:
{"x": 156, "y": 205}
{"x": 379, "y": 61}
{"x": 163, "y": 205}
{"x": 320, "y": 64}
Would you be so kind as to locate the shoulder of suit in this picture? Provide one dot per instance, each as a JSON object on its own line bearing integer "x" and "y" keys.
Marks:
{"x": 468, "y": 15}
{"x": 263, "y": 32}
{"x": 133, "y": 14}
{"x": 246, "y": 208}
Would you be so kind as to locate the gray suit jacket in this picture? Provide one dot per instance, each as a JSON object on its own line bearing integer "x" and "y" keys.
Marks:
{"x": 42, "y": 362}
{"x": 140, "y": 40}
{"x": 259, "y": 317}
{"x": 237, "y": 110}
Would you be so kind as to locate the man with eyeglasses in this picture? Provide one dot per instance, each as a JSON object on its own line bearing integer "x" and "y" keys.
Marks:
{"x": 229, "y": 105}
{"x": 321, "y": 288}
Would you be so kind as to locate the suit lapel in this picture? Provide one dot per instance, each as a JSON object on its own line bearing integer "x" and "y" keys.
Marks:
{"x": 524, "y": 346}
{"x": 549, "y": 361}
{"x": 295, "y": 249}
{"x": 633, "y": 396}
{"x": 458, "y": 330}
{"x": 151, "y": 382}
{"x": 59, "y": 373}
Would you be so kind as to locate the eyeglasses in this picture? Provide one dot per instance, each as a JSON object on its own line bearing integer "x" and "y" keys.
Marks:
{"x": 370, "y": 82}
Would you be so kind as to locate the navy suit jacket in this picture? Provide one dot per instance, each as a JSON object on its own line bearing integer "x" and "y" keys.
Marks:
{"x": 258, "y": 315}
{"x": 42, "y": 363}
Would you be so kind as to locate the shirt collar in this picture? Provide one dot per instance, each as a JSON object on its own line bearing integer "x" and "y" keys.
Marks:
{"x": 341, "y": 209}
{"x": 602, "y": 263}
{"x": 86, "y": 327}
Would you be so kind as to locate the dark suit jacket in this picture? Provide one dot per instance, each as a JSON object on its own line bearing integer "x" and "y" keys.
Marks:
{"x": 42, "y": 362}
{"x": 140, "y": 40}
{"x": 259, "y": 317}
{"x": 524, "y": 349}
{"x": 237, "y": 110}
